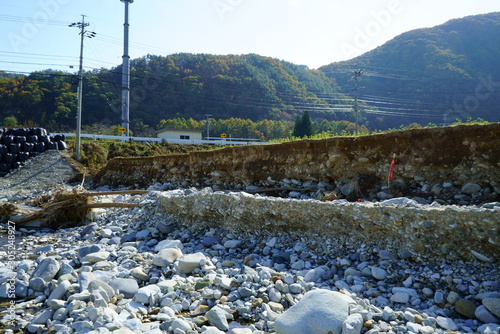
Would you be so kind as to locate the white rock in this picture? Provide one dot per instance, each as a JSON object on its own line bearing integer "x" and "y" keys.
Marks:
{"x": 169, "y": 244}
{"x": 240, "y": 331}
{"x": 446, "y": 323}
{"x": 225, "y": 283}
{"x": 353, "y": 324}
{"x": 489, "y": 329}
{"x": 298, "y": 265}
{"x": 481, "y": 257}
{"x": 493, "y": 305}
{"x": 180, "y": 324}
{"x": 96, "y": 257}
{"x": 485, "y": 316}
{"x": 211, "y": 330}
{"x": 166, "y": 256}
{"x": 135, "y": 308}
{"x": 84, "y": 278}
{"x": 400, "y": 297}
{"x": 399, "y": 201}
{"x": 133, "y": 324}
{"x": 408, "y": 282}
{"x": 231, "y": 244}
{"x": 410, "y": 292}
{"x": 167, "y": 285}
{"x": 59, "y": 292}
{"x": 106, "y": 233}
{"x": 47, "y": 269}
{"x": 42, "y": 317}
{"x": 218, "y": 318}
{"x": 141, "y": 235}
{"x": 452, "y": 297}
{"x": 314, "y": 275}
{"x": 138, "y": 272}
{"x": 295, "y": 288}
{"x": 319, "y": 311}
{"x": 268, "y": 312}
{"x": 188, "y": 263}
{"x": 127, "y": 286}
{"x": 378, "y": 273}
{"x": 271, "y": 243}
{"x": 413, "y": 327}
{"x": 145, "y": 294}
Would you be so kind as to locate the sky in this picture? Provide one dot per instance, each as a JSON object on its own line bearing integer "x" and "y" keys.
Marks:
{"x": 35, "y": 34}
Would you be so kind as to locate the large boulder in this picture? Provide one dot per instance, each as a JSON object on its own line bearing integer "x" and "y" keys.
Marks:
{"x": 319, "y": 311}
{"x": 127, "y": 286}
{"x": 47, "y": 269}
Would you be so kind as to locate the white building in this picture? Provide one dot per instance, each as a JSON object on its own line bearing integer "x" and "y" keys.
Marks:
{"x": 186, "y": 134}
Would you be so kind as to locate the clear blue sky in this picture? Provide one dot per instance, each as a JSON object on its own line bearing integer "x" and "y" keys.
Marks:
{"x": 35, "y": 33}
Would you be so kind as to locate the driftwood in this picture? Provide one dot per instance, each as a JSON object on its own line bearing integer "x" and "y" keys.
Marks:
{"x": 268, "y": 190}
{"x": 68, "y": 209}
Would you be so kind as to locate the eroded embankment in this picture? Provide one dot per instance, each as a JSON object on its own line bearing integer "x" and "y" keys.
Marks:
{"x": 450, "y": 232}
{"x": 436, "y": 158}
{"x": 455, "y": 155}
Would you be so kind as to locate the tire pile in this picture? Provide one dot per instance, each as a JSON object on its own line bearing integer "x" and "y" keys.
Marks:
{"x": 19, "y": 144}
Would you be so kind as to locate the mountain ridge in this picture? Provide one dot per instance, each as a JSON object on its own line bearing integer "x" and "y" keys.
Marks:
{"x": 452, "y": 61}
{"x": 428, "y": 75}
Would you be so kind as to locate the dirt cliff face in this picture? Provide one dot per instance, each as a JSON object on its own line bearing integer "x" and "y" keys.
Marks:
{"x": 454, "y": 155}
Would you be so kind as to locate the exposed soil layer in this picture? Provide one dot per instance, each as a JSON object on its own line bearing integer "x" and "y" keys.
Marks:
{"x": 455, "y": 155}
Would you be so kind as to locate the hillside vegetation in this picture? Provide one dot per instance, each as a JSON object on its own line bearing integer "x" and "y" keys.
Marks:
{"x": 182, "y": 85}
{"x": 433, "y": 75}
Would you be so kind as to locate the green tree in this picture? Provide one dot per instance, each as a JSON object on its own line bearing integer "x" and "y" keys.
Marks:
{"x": 10, "y": 122}
{"x": 297, "y": 130}
{"x": 303, "y": 126}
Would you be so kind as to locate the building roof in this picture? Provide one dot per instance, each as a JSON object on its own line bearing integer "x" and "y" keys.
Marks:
{"x": 181, "y": 130}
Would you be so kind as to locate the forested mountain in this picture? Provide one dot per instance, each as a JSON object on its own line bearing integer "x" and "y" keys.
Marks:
{"x": 427, "y": 75}
{"x": 181, "y": 85}
{"x": 430, "y": 75}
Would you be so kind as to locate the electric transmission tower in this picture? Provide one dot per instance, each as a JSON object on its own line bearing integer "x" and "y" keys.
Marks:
{"x": 355, "y": 108}
{"x": 126, "y": 74}
{"x": 89, "y": 34}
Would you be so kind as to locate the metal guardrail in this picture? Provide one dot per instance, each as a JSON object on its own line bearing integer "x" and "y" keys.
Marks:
{"x": 220, "y": 141}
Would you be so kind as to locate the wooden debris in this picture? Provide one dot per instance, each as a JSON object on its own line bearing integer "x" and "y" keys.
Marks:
{"x": 70, "y": 208}
{"x": 330, "y": 197}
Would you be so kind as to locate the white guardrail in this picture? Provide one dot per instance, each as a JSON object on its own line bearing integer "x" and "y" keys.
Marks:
{"x": 220, "y": 141}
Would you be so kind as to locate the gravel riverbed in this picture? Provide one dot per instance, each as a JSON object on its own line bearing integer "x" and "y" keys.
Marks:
{"x": 139, "y": 271}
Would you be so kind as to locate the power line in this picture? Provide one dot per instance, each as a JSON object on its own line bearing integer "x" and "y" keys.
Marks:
{"x": 20, "y": 19}
{"x": 336, "y": 102}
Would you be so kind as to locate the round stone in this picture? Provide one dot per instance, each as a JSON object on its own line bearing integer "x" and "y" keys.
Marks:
{"x": 466, "y": 307}
{"x": 493, "y": 305}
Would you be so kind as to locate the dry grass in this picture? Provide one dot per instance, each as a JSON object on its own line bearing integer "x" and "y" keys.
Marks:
{"x": 7, "y": 210}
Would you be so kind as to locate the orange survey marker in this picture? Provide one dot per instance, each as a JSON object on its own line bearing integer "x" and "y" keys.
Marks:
{"x": 393, "y": 164}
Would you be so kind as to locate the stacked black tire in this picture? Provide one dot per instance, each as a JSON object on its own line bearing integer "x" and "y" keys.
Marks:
{"x": 18, "y": 145}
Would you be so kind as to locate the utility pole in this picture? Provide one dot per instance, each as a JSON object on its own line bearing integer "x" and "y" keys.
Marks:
{"x": 126, "y": 74}
{"x": 356, "y": 77}
{"x": 83, "y": 33}
{"x": 208, "y": 126}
